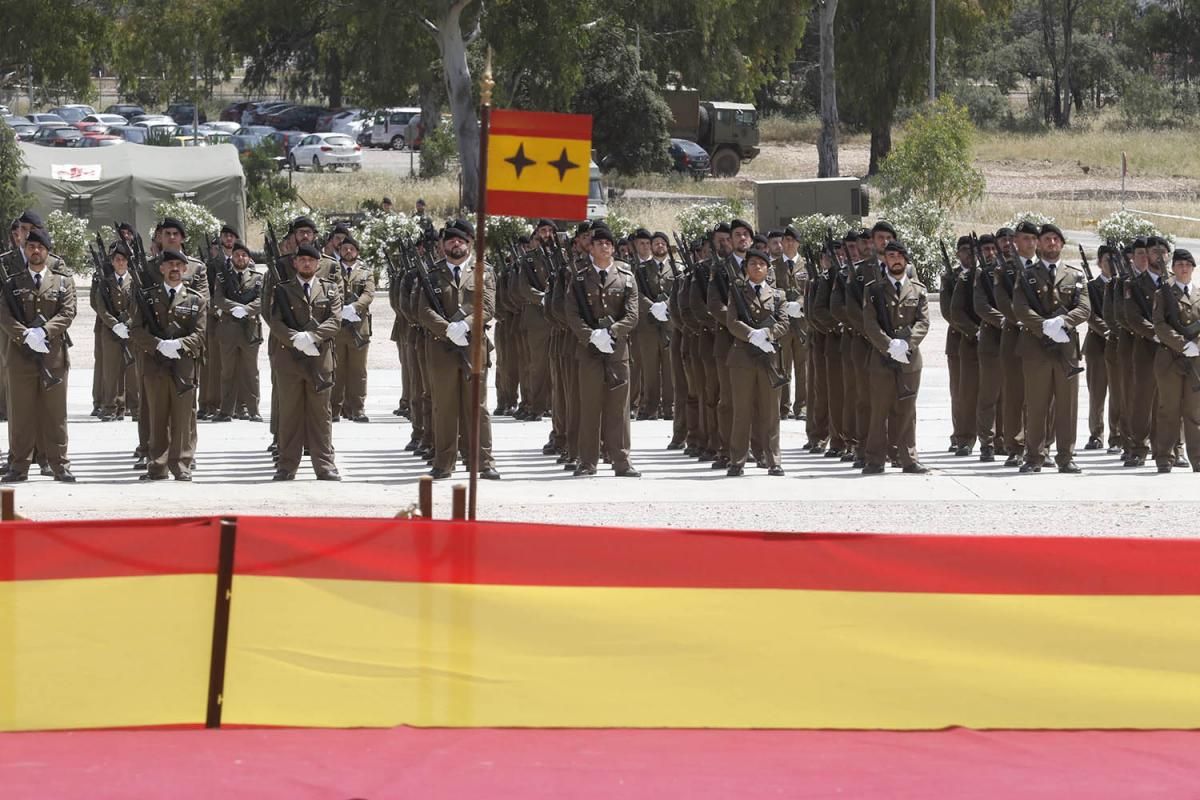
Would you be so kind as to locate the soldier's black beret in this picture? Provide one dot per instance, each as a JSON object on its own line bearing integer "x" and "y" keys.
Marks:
{"x": 39, "y": 235}
{"x": 309, "y": 250}
{"x": 385, "y": 200}
{"x": 230, "y": 230}
{"x": 543, "y": 222}
{"x": 122, "y": 249}
{"x": 774, "y": 233}
{"x": 756, "y": 253}
{"x": 1050, "y": 227}
{"x": 240, "y": 245}
{"x": 1156, "y": 241}
{"x": 792, "y": 232}
{"x": 524, "y": 238}
{"x": 759, "y": 239}
{"x": 1140, "y": 243}
{"x": 661, "y": 235}
{"x": 1183, "y": 255}
{"x": 171, "y": 222}
{"x": 884, "y": 226}
{"x": 1006, "y": 231}
{"x": 723, "y": 227}
{"x": 1105, "y": 250}
{"x": 641, "y": 233}
{"x": 623, "y": 242}
{"x": 302, "y": 222}
{"x": 851, "y": 236}
{"x": 31, "y": 217}
{"x": 601, "y": 233}
{"x": 340, "y": 228}
{"x": 1025, "y": 226}
{"x": 583, "y": 227}
{"x": 125, "y": 226}
{"x": 987, "y": 238}
{"x": 349, "y": 240}
{"x": 963, "y": 241}
{"x": 896, "y": 246}
{"x": 740, "y": 223}
{"x": 864, "y": 234}
{"x": 173, "y": 255}
{"x": 459, "y": 229}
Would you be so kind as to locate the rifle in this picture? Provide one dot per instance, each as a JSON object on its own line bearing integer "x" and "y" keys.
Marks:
{"x": 360, "y": 341}
{"x": 971, "y": 277}
{"x": 1191, "y": 366}
{"x": 1035, "y": 302}
{"x": 103, "y": 271}
{"x": 434, "y": 297}
{"x": 48, "y": 379}
{"x": 903, "y": 392}
{"x": 774, "y": 374}
{"x": 320, "y": 382}
{"x": 947, "y": 268}
{"x": 1097, "y": 300}
{"x": 527, "y": 266}
{"x": 142, "y": 288}
{"x": 230, "y": 281}
{"x": 611, "y": 379}
{"x": 664, "y": 333}
{"x": 989, "y": 289}
{"x": 1135, "y": 291}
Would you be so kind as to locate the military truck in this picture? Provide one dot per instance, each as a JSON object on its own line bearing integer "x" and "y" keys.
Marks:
{"x": 728, "y": 132}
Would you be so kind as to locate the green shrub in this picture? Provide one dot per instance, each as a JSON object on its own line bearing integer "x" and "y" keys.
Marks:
{"x": 266, "y": 185}
{"x": 933, "y": 160}
{"x": 921, "y": 225}
{"x": 700, "y": 218}
{"x": 69, "y": 237}
{"x": 438, "y": 148}
{"x": 987, "y": 105}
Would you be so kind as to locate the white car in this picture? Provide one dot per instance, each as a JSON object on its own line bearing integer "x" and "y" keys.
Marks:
{"x": 104, "y": 119}
{"x": 225, "y": 127}
{"x": 321, "y": 150}
{"x": 348, "y": 122}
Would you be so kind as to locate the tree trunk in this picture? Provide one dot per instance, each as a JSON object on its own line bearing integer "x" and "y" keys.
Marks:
{"x": 430, "y": 97}
{"x": 1068, "y": 88}
{"x": 335, "y": 79}
{"x": 462, "y": 102}
{"x": 827, "y": 144}
{"x": 881, "y": 145}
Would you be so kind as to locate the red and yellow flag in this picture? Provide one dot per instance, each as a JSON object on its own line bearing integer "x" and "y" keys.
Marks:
{"x": 538, "y": 164}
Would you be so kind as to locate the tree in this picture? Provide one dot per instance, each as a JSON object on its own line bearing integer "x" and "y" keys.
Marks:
{"x": 827, "y": 144}
{"x": 630, "y": 119}
{"x": 52, "y": 42}
{"x": 12, "y": 200}
{"x": 933, "y": 160}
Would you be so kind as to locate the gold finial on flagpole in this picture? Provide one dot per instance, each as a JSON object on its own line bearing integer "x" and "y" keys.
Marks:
{"x": 486, "y": 84}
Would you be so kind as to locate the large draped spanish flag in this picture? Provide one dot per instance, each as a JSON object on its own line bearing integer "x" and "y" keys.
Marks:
{"x": 538, "y": 164}
{"x": 355, "y": 622}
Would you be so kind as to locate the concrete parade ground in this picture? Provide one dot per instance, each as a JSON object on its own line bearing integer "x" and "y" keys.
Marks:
{"x": 960, "y": 495}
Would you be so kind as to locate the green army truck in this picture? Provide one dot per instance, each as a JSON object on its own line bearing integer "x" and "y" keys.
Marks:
{"x": 728, "y": 132}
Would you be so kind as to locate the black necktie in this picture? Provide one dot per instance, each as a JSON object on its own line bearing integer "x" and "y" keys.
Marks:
{"x": 37, "y": 281}
{"x": 758, "y": 290}
{"x": 898, "y": 286}
{"x": 789, "y": 264}
{"x": 603, "y": 276}
{"x": 457, "y": 272}
{"x": 306, "y": 291}
{"x": 1185, "y": 291}
{"x": 170, "y": 296}
{"x": 1051, "y": 268}
{"x": 120, "y": 281}
{"x": 1028, "y": 262}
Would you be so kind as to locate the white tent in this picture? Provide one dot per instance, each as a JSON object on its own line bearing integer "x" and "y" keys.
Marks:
{"x": 123, "y": 183}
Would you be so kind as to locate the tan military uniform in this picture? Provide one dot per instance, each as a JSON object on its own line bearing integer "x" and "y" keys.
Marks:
{"x": 239, "y": 341}
{"x": 536, "y": 330}
{"x": 755, "y": 400}
{"x": 706, "y": 364}
{"x": 1116, "y": 352}
{"x": 962, "y": 422}
{"x": 37, "y": 416}
{"x": 118, "y": 388}
{"x": 1046, "y": 379}
{"x": 829, "y": 371}
{"x": 399, "y": 335}
{"x": 790, "y": 275}
{"x": 989, "y": 422}
{"x": 1142, "y": 395}
{"x": 891, "y": 417}
{"x": 211, "y": 387}
{"x": 964, "y": 319}
{"x": 349, "y": 394}
{"x": 172, "y": 415}
{"x": 1095, "y": 352}
{"x": 1012, "y": 405}
{"x": 1178, "y": 376}
{"x": 303, "y": 411}
{"x": 449, "y": 372}
{"x": 652, "y": 339}
{"x": 603, "y": 411}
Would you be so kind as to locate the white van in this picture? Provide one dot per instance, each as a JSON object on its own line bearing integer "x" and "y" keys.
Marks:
{"x": 597, "y": 195}
{"x": 390, "y": 127}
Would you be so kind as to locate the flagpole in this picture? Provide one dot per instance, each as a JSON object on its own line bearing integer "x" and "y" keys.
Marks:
{"x": 477, "y": 333}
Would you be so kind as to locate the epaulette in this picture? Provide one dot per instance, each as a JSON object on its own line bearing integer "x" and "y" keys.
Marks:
{"x": 621, "y": 266}
{"x": 60, "y": 268}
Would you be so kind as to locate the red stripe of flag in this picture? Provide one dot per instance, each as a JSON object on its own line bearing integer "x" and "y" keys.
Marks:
{"x": 530, "y": 555}
{"x": 544, "y": 124}
{"x": 536, "y": 204}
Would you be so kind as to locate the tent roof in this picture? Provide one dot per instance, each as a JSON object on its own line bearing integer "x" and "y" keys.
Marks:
{"x": 186, "y": 165}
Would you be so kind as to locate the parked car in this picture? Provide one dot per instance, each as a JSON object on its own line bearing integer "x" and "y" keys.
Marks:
{"x": 4, "y": 112}
{"x": 233, "y": 111}
{"x": 91, "y": 127}
{"x": 58, "y": 135}
{"x": 102, "y": 119}
{"x": 185, "y": 113}
{"x": 298, "y": 118}
{"x": 265, "y": 110}
{"x": 23, "y": 128}
{"x": 131, "y": 133}
{"x": 328, "y": 121}
{"x": 286, "y": 140}
{"x": 326, "y": 151}
{"x": 98, "y": 140}
{"x": 224, "y": 126}
{"x": 250, "y": 137}
{"x": 389, "y": 128}
{"x": 689, "y": 158}
{"x": 44, "y": 118}
{"x": 126, "y": 110}
{"x": 74, "y": 112}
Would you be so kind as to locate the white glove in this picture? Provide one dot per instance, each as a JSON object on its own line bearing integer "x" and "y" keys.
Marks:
{"x": 457, "y": 332}
{"x": 35, "y": 339}
{"x": 758, "y": 338}
{"x": 121, "y": 330}
{"x": 793, "y": 309}
{"x": 603, "y": 340}
{"x": 169, "y": 348}
{"x": 350, "y": 315}
{"x": 1055, "y": 328}
{"x": 305, "y": 343}
{"x": 898, "y": 350}
{"x": 1191, "y": 350}
{"x": 979, "y": 333}
{"x": 239, "y": 312}
{"x": 659, "y": 311}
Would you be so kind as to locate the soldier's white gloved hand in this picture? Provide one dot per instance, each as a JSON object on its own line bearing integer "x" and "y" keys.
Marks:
{"x": 121, "y": 330}
{"x": 602, "y": 340}
{"x": 1056, "y": 329}
{"x": 350, "y": 315}
{"x": 170, "y": 348}
{"x": 239, "y": 312}
{"x": 760, "y": 339}
{"x": 898, "y": 350}
{"x": 1191, "y": 350}
{"x": 659, "y": 311}
{"x": 457, "y": 332}
{"x": 35, "y": 340}
{"x": 793, "y": 309}
{"x": 979, "y": 333}
{"x": 305, "y": 343}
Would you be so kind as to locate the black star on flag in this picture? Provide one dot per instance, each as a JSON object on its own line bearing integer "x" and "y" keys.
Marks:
{"x": 520, "y": 161}
{"x": 563, "y": 164}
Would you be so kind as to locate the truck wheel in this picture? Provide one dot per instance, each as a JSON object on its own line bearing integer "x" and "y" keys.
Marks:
{"x": 397, "y": 143}
{"x": 726, "y": 163}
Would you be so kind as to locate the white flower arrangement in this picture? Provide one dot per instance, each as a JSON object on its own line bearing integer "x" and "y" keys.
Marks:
{"x": 921, "y": 225}
{"x": 814, "y": 228}
{"x": 198, "y": 220}
{"x": 378, "y": 233}
{"x": 699, "y": 219}
{"x": 69, "y": 237}
{"x": 1125, "y": 226}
